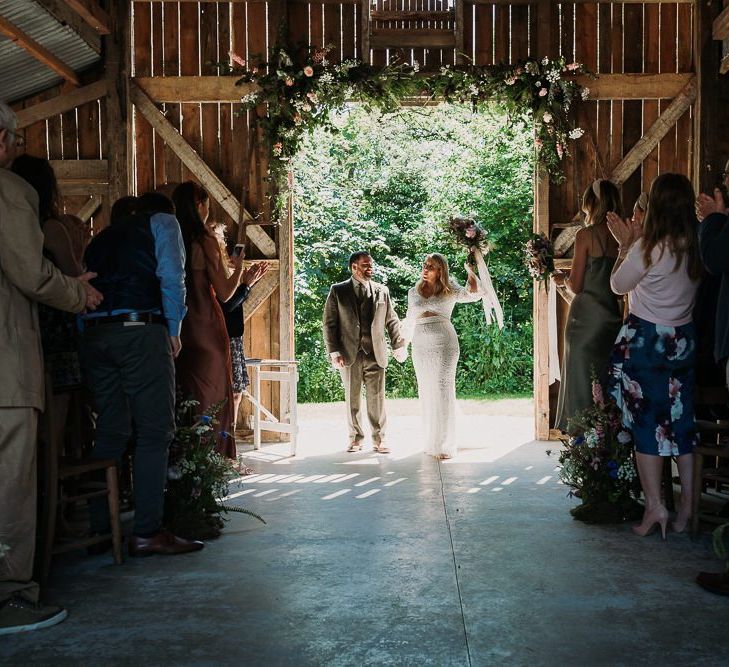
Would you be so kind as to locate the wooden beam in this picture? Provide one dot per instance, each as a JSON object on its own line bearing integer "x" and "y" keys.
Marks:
{"x": 635, "y": 86}
{"x": 435, "y": 39}
{"x": 118, "y": 136}
{"x": 458, "y": 33}
{"x": 223, "y": 88}
{"x": 91, "y": 171}
{"x": 86, "y": 212}
{"x": 193, "y": 88}
{"x": 61, "y": 104}
{"x": 197, "y": 166}
{"x": 260, "y": 293}
{"x": 66, "y": 16}
{"x": 653, "y": 136}
{"x": 39, "y": 52}
{"x": 91, "y": 12}
{"x": 472, "y": 2}
{"x": 81, "y": 188}
{"x": 376, "y": 15}
{"x": 720, "y": 27}
{"x": 365, "y": 7}
{"x": 541, "y": 315}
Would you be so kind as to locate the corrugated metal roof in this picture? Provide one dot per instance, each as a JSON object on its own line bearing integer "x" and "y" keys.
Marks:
{"x": 21, "y": 75}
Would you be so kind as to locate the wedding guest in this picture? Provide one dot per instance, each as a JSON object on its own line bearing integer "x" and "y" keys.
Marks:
{"x": 652, "y": 366}
{"x": 59, "y": 335}
{"x": 204, "y": 367}
{"x": 129, "y": 347}
{"x": 122, "y": 208}
{"x": 640, "y": 207}
{"x": 595, "y": 314}
{"x": 235, "y": 326}
{"x": 26, "y": 279}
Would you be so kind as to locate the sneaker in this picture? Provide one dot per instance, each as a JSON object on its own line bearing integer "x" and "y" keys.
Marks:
{"x": 20, "y": 615}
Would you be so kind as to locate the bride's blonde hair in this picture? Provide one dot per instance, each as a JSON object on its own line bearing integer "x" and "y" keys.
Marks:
{"x": 443, "y": 284}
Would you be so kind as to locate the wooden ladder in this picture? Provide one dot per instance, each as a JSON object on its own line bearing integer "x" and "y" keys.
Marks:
{"x": 411, "y": 29}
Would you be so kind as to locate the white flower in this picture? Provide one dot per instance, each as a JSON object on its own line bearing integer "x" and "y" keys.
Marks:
{"x": 553, "y": 76}
{"x": 538, "y": 84}
{"x": 576, "y": 133}
{"x": 592, "y": 438}
{"x": 473, "y": 88}
{"x": 250, "y": 98}
{"x": 624, "y": 437}
{"x": 545, "y": 61}
{"x": 416, "y": 66}
{"x": 324, "y": 62}
{"x": 585, "y": 93}
{"x": 547, "y": 117}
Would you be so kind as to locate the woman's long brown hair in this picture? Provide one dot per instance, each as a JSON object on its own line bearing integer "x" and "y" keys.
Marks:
{"x": 443, "y": 284}
{"x": 671, "y": 220}
{"x": 596, "y": 207}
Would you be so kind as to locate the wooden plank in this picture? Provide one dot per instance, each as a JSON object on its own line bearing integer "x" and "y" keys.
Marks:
{"x": 85, "y": 188}
{"x": 86, "y": 212}
{"x": 651, "y": 59}
{"x": 66, "y": 16}
{"x": 260, "y": 293}
{"x": 720, "y": 27}
{"x": 61, "y": 104}
{"x": 501, "y": 34}
{"x": 519, "y": 33}
{"x": 350, "y": 49}
{"x": 190, "y": 66}
{"x": 473, "y": 2}
{"x": 157, "y": 69}
{"x": 684, "y": 136}
{"x": 171, "y": 68}
{"x": 665, "y": 122}
{"x": 365, "y": 27}
{"x": 332, "y": 31}
{"x": 414, "y": 15}
{"x": 383, "y": 39}
{"x": 118, "y": 109}
{"x": 540, "y": 317}
{"x": 143, "y": 135}
{"x": 38, "y": 51}
{"x": 95, "y": 171}
{"x": 91, "y": 12}
{"x": 199, "y": 169}
{"x": 635, "y": 86}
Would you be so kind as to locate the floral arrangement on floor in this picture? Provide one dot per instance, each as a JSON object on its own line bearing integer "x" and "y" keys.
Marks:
{"x": 466, "y": 232}
{"x": 539, "y": 258}
{"x": 598, "y": 464}
{"x": 197, "y": 476}
{"x": 296, "y": 91}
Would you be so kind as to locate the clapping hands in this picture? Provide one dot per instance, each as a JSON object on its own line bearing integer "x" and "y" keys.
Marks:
{"x": 706, "y": 205}
{"x": 254, "y": 273}
{"x": 625, "y": 231}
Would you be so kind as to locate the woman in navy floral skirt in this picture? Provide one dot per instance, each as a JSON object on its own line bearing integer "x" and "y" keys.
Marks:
{"x": 652, "y": 365}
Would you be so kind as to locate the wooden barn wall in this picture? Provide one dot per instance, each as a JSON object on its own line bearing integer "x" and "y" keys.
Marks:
{"x": 169, "y": 39}
{"x": 78, "y": 134}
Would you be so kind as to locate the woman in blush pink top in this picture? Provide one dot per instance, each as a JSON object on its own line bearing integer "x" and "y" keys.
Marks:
{"x": 652, "y": 366}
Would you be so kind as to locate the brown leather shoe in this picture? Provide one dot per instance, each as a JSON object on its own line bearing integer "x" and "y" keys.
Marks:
{"x": 163, "y": 543}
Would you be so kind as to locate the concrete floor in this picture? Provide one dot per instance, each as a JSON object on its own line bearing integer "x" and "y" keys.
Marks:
{"x": 396, "y": 560}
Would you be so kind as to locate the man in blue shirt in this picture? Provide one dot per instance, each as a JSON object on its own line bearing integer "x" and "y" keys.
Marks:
{"x": 129, "y": 347}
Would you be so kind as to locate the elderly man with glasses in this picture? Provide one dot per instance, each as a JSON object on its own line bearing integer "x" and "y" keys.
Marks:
{"x": 26, "y": 278}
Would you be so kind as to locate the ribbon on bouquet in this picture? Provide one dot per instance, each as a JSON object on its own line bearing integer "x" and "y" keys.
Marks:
{"x": 491, "y": 306}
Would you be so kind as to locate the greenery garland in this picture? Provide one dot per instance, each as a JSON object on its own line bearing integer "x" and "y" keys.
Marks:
{"x": 300, "y": 90}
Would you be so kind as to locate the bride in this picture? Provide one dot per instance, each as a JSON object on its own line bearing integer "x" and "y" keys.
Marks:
{"x": 435, "y": 349}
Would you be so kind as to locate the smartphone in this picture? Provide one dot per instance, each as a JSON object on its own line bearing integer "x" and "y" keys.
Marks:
{"x": 239, "y": 250}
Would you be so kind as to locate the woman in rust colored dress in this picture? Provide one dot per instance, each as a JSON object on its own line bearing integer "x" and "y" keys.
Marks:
{"x": 203, "y": 367}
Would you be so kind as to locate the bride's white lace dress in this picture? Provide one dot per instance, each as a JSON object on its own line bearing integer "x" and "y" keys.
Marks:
{"x": 435, "y": 357}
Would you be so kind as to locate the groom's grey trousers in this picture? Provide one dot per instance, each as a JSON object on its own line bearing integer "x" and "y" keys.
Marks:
{"x": 365, "y": 371}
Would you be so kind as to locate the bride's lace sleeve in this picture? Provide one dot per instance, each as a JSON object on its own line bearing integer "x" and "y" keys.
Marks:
{"x": 408, "y": 324}
{"x": 464, "y": 295}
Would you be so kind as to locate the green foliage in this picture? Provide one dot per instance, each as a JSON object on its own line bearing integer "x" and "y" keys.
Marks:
{"x": 197, "y": 476}
{"x": 301, "y": 89}
{"x": 387, "y": 185}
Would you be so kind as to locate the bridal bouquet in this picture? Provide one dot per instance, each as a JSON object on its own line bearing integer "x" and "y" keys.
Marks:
{"x": 467, "y": 232}
{"x": 539, "y": 258}
{"x": 598, "y": 463}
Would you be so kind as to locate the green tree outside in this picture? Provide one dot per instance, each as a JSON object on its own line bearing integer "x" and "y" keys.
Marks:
{"x": 387, "y": 185}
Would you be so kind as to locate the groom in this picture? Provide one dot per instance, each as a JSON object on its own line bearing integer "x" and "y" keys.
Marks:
{"x": 356, "y": 314}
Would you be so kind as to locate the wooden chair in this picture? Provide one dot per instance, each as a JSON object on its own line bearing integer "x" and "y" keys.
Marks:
{"x": 713, "y": 444}
{"x": 57, "y": 470}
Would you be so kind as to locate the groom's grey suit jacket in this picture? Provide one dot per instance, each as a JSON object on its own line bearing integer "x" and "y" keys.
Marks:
{"x": 343, "y": 327}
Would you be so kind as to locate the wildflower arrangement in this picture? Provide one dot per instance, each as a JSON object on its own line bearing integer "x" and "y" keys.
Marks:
{"x": 467, "y": 232}
{"x": 295, "y": 91}
{"x": 197, "y": 476}
{"x": 598, "y": 463}
{"x": 539, "y": 258}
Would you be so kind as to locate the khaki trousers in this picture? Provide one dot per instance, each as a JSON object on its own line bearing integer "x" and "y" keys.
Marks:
{"x": 18, "y": 429}
{"x": 365, "y": 371}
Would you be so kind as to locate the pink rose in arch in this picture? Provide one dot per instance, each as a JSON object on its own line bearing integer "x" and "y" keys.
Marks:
{"x": 542, "y": 92}
{"x": 309, "y": 70}
{"x": 289, "y": 81}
